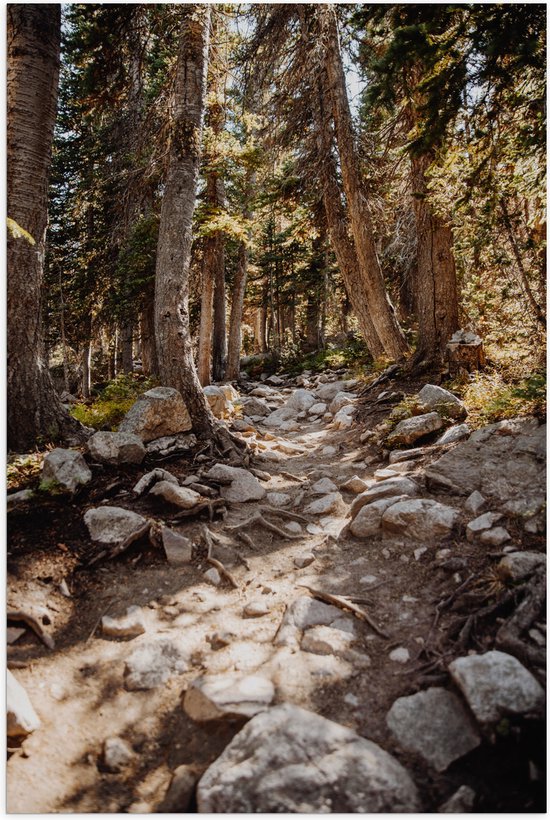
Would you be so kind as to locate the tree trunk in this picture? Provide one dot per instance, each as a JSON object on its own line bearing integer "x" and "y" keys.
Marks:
{"x": 127, "y": 344}
{"x": 174, "y": 347}
{"x": 147, "y": 334}
{"x": 219, "y": 342}
{"x": 34, "y": 410}
{"x": 235, "y": 321}
{"x": 207, "y": 319}
{"x": 333, "y": 85}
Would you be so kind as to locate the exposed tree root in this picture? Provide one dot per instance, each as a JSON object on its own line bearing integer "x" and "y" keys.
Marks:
{"x": 508, "y": 636}
{"x": 258, "y": 518}
{"x": 30, "y": 620}
{"x": 118, "y": 549}
{"x": 346, "y": 604}
{"x": 213, "y": 506}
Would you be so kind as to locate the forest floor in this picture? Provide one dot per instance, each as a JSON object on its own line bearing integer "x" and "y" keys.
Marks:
{"x": 77, "y": 688}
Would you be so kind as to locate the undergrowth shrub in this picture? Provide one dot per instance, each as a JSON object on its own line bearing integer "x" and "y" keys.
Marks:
{"x": 113, "y": 402}
{"x": 489, "y": 398}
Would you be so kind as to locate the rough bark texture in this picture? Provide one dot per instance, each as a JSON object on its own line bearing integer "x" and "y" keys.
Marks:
{"x": 204, "y": 355}
{"x": 333, "y": 86}
{"x": 147, "y": 335}
{"x": 174, "y": 348}
{"x": 436, "y": 294}
{"x": 219, "y": 341}
{"x": 33, "y": 33}
{"x": 127, "y": 335}
{"x": 239, "y": 289}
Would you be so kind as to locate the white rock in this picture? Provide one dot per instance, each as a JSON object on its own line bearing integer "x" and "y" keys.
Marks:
{"x": 158, "y": 412}
{"x": 178, "y": 548}
{"x": 368, "y": 579}
{"x": 384, "y": 489}
{"x": 355, "y": 485}
{"x": 117, "y": 754}
{"x": 255, "y": 406}
{"x": 446, "y": 403}
{"x": 329, "y": 450}
{"x": 455, "y": 433}
{"x": 243, "y": 486}
{"x": 306, "y": 612}
{"x": 386, "y": 472}
{"x": 343, "y": 419}
{"x": 341, "y": 400}
{"x": 474, "y": 503}
{"x": 288, "y": 447}
{"x": 418, "y": 553}
{"x": 66, "y": 468}
{"x": 480, "y": 524}
{"x": 213, "y": 576}
{"x": 518, "y": 565}
{"x": 495, "y": 537}
{"x": 400, "y": 655}
{"x": 116, "y": 448}
{"x": 212, "y": 697}
{"x": 288, "y": 760}
{"x": 409, "y": 430}
{"x": 153, "y": 663}
{"x": 293, "y": 527}
{"x": 229, "y": 392}
{"x": 181, "y": 497}
{"x": 314, "y": 529}
{"x": 256, "y": 609}
{"x": 435, "y": 725}
{"x": 331, "y": 503}
{"x": 278, "y": 499}
{"x": 327, "y": 392}
{"x": 325, "y": 640}
{"x": 111, "y": 525}
{"x": 497, "y": 685}
{"x": 323, "y": 486}
{"x": 317, "y": 409}
{"x": 304, "y": 560}
{"x": 420, "y": 519}
{"x": 125, "y": 626}
{"x": 21, "y": 718}
{"x": 301, "y": 400}
{"x": 158, "y": 474}
{"x": 368, "y": 521}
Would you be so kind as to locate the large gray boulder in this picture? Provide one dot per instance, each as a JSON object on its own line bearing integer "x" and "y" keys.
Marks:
{"x": 239, "y": 485}
{"x": 182, "y": 497}
{"x": 519, "y": 565}
{"x": 158, "y": 412}
{"x": 66, "y": 468}
{"x": 300, "y": 400}
{"x": 21, "y": 717}
{"x": 289, "y": 760}
{"x": 327, "y": 392}
{"x": 400, "y": 485}
{"x": 504, "y": 461}
{"x": 442, "y": 401}
{"x": 435, "y": 725}
{"x": 253, "y": 406}
{"x": 111, "y": 525}
{"x": 420, "y": 519}
{"x": 497, "y": 685}
{"x": 409, "y": 430}
{"x": 116, "y": 448}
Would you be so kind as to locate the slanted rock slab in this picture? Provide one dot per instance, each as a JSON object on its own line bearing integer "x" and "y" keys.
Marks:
{"x": 497, "y": 685}
{"x": 289, "y": 760}
{"x": 181, "y": 497}
{"x": 239, "y": 485}
{"x": 331, "y": 503}
{"x": 518, "y": 565}
{"x": 66, "y": 468}
{"x": 111, "y": 525}
{"x": 21, "y": 718}
{"x": 116, "y": 448}
{"x": 435, "y": 725}
{"x": 461, "y": 802}
{"x": 480, "y": 524}
{"x": 158, "y": 412}
{"x": 384, "y": 489}
{"x": 325, "y": 640}
{"x": 409, "y": 430}
{"x": 420, "y": 519}
{"x": 368, "y": 521}
{"x": 441, "y": 400}
{"x": 300, "y": 400}
{"x": 212, "y": 697}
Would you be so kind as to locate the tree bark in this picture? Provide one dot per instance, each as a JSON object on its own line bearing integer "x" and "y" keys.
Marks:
{"x": 174, "y": 347}
{"x": 127, "y": 344}
{"x": 219, "y": 341}
{"x": 204, "y": 355}
{"x": 333, "y": 85}
{"x": 34, "y": 410}
{"x": 235, "y": 321}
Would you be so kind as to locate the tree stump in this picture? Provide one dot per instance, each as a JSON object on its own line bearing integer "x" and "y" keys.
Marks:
{"x": 465, "y": 352}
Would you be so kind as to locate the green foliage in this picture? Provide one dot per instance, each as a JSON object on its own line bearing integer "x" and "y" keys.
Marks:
{"x": 489, "y": 398}
{"x": 23, "y": 471}
{"x": 51, "y": 487}
{"x": 353, "y": 356}
{"x": 113, "y": 402}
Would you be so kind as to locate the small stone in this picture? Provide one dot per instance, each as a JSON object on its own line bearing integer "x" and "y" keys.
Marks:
{"x": 409, "y": 430}
{"x": 126, "y": 626}
{"x": 441, "y": 555}
{"x": 117, "y": 754}
{"x": 213, "y": 576}
{"x": 497, "y": 685}
{"x": 435, "y": 725}
{"x": 455, "y": 433}
{"x": 65, "y": 468}
{"x": 111, "y": 525}
{"x": 243, "y": 486}
{"x": 304, "y": 560}
{"x": 21, "y": 718}
{"x": 306, "y": 612}
{"x": 420, "y": 519}
{"x": 314, "y": 529}
{"x": 317, "y": 409}
{"x": 278, "y": 499}
{"x": 116, "y": 448}
{"x": 461, "y": 802}
{"x": 368, "y": 579}
{"x": 325, "y": 640}
{"x": 64, "y": 589}
{"x": 400, "y": 655}
{"x": 150, "y": 478}
{"x": 324, "y": 486}
{"x": 331, "y": 503}
{"x": 351, "y": 699}
{"x": 384, "y": 473}
{"x": 212, "y": 697}
{"x": 178, "y": 548}
{"x": 220, "y": 639}
{"x": 474, "y": 503}
{"x": 495, "y": 537}
{"x": 355, "y": 485}
{"x": 166, "y": 445}
{"x": 293, "y": 527}
{"x": 329, "y": 451}
{"x": 181, "y": 497}
{"x": 152, "y": 664}
{"x": 480, "y": 524}
{"x": 418, "y": 553}
{"x": 437, "y": 398}
{"x": 518, "y": 565}
{"x": 386, "y": 553}
{"x": 537, "y": 637}
{"x": 256, "y": 609}
{"x": 385, "y": 489}
{"x": 14, "y": 500}
{"x": 343, "y": 419}
{"x": 180, "y": 791}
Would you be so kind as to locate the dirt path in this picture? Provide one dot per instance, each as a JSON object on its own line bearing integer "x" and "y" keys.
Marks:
{"x": 78, "y": 688}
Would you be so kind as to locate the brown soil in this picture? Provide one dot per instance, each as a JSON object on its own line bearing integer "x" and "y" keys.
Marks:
{"x": 78, "y": 687}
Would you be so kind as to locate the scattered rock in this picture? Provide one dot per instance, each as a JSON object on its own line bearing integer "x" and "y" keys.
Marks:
{"x": 329, "y": 450}
{"x": 117, "y": 754}
{"x": 400, "y": 655}
{"x": 368, "y": 520}
{"x": 325, "y": 640}
{"x": 147, "y": 480}
{"x": 256, "y": 609}
{"x": 254, "y": 406}
{"x": 153, "y": 663}
{"x": 166, "y": 445}
{"x": 420, "y": 519}
{"x": 278, "y": 499}
{"x": 461, "y": 802}
{"x": 213, "y": 576}
{"x": 181, "y": 497}
{"x": 386, "y": 472}
{"x": 519, "y": 565}
{"x": 21, "y": 718}
{"x": 497, "y": 685}
{"x": 435, "y": 725}
{"x": 15, "y": 500}
{"x": 158, "y": 412}
{"x": 480, "y": 524}
{"x": 442, "y": 401}
{"x": 304, "y": 560}
{"x": 293, "y": 527}
{"x": 66, "y": 468}
{"x": 384, "y": 489}
{"x": 116, "y": 448}
{"x": 474, "y": 503}
{"x": 290, "y": 760}
{"x": 355, "y": 485}
{"x": 243, "y": 486}
{"x": 409, "y": 430}
{"x": 301, "y": 400}
{"x": 180, "y": 791}
{"x": 111, "y": 525}
{"x": 331, "y": 503}
{"x": 317, "y": 409}
{"x": 125, "y": 626}
{"x": 495, "y": 537}
{"x": 306, "y": 612}
{"x": 323, "y": 486}
{"x": 341, "y": 400}
{"x": 455, "y": 433}
{"x": 212, "y": 697}
{"x": 327, "y": 392}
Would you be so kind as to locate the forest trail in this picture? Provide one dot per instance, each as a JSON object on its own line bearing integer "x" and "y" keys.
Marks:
{"x": 328, "y": 660}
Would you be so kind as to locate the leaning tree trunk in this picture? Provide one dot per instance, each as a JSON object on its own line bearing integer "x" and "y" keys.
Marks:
{"x": 34, "y": 410}
{"x": 174, "y": 347}
{"x": 333, "y": 84}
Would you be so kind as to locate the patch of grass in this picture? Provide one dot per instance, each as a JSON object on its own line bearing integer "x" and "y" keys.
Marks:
{"x": 113, "y": 402}
{"x": 489, "y": 398}
{"x": 23, "y": 471}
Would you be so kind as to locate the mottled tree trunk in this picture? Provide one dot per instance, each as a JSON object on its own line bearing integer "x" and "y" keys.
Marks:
{"x": 34, "y": 410}
{"x": 127, "y": 347}
{"x": 219, "y": 340}
{"x": 147, "y": 334}
{"x": 174, "y": 347}
{"x": 235, "y": 321}
{"x": 333, "y": 85}
{"x": 204, "y": 355}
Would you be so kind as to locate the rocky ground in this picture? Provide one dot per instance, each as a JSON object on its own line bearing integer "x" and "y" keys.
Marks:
{"x": 350, "y": 620}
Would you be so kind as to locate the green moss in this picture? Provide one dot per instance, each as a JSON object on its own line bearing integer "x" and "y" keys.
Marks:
{"x": 113, "y": 402}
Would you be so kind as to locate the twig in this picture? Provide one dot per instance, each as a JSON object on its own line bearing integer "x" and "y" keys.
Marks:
{"x": 293, "y": 477}
{"x": 257, "y": 518}
{"x": 92, "y": 633}
{"x": 247, "y": 539}
{"x": 19, "y": 615}
{"x": 285, "y": 514}
{"x": 208, "y": 539}
{"x": 223, "y": 571}
{"x": 346, "y": 604}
